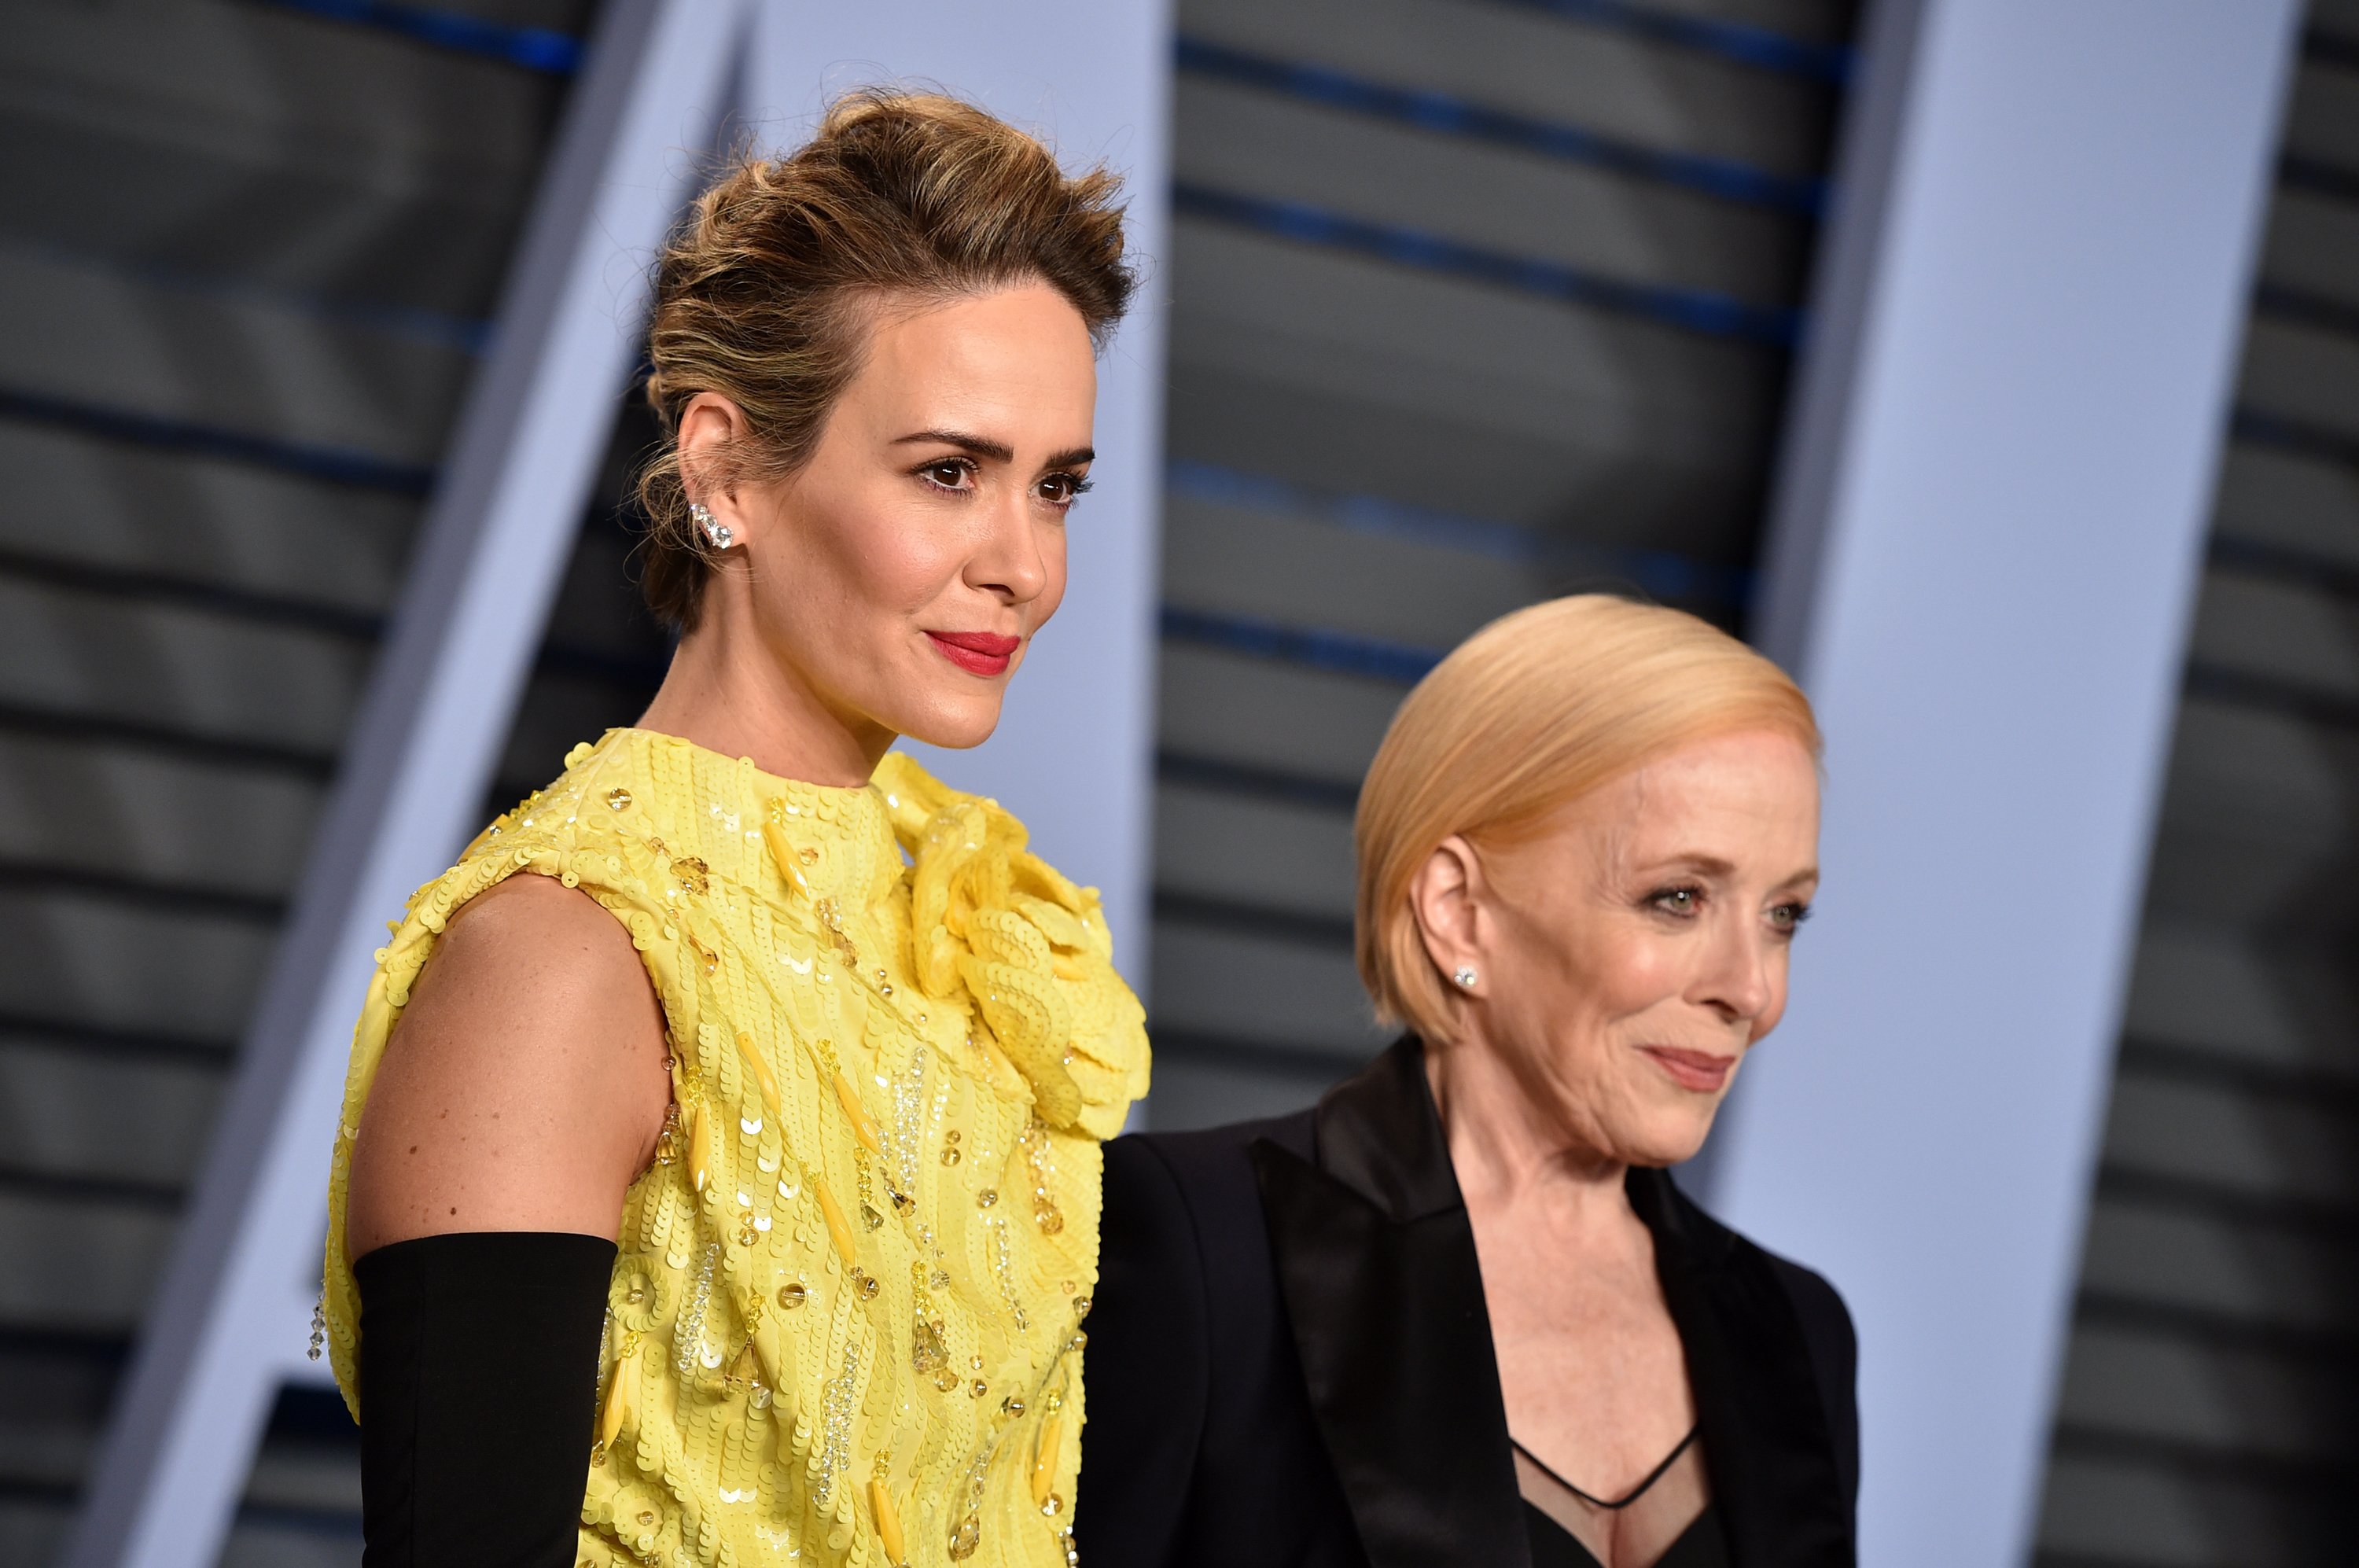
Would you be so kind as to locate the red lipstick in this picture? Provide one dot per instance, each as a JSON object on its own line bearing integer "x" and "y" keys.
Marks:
{"x": 978, "y": 653}
{"x": 1701, "y": 1070}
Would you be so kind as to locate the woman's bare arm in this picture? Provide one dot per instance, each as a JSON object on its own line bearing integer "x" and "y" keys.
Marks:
{"x": 525, "y": 1087}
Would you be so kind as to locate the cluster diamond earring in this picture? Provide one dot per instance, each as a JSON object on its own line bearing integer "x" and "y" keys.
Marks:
{"x": 719, "y": 533}
{"x": 1466, "y": 977}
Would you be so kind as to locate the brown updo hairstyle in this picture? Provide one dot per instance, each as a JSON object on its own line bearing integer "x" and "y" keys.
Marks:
{"x": 767, "y": 294}
{"x": 1524, "y": 718}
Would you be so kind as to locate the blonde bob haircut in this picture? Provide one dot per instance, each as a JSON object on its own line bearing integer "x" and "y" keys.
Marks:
{"x": 1524, "y": 717}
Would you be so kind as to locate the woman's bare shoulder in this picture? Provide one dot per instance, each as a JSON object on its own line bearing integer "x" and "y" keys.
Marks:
{"x": 524, "y": 1087}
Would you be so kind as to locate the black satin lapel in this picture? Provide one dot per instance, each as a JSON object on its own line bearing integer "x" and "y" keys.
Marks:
{"x": 1766, "y": 1439}
{"x": 1395, "y": 1349}
{"x": 1379, "y": 1132}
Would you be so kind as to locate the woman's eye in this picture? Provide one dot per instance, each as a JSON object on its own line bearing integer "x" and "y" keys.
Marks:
{"x": 950, "y": 474}
{"x": 1678, "y": 900}
{"x": 1787, "y": 917}
{"x": 1064, "y": 489}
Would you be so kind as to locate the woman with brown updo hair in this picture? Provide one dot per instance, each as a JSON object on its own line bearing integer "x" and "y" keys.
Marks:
{"x": 726, "y": 1189}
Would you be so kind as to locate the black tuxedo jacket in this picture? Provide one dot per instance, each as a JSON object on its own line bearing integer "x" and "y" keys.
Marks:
{"x": 1291, "y": 1362}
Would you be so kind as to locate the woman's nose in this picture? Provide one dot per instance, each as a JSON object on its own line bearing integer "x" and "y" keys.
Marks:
{"x": 1008, "y": 561}
{"x": 1742, "y": 981}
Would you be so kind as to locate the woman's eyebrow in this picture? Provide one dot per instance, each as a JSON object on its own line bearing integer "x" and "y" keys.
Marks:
{"x": 997, "y": 451}
{"x": 1702, "y": 865}
{"x": 976, "y": 446}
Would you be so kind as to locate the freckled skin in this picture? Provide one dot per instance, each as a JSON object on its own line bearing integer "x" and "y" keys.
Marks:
{"x": 525, "y": 1087}
{"x": 1552, "y": 1089}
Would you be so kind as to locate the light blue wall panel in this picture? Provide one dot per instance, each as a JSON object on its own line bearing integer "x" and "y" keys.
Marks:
{"x": 1983, "y": 569}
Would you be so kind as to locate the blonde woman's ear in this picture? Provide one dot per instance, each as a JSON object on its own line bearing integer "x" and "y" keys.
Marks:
{"x": 1445, "y": 896}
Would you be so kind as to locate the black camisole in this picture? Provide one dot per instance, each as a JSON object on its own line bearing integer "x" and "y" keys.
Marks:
{"x": 1701, "y": 1545}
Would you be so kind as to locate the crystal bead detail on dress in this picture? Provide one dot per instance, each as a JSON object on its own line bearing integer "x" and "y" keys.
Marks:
{"x": 618, "y": 798}
{"x": 927, "y": 1353}
{"x": 793, "y": 1294}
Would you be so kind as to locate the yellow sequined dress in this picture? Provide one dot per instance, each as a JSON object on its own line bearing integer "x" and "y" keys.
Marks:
{"x": 846, "y": 1319}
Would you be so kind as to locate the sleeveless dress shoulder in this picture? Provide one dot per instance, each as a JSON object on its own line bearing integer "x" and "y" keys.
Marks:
{"x": 845, "y": 1322}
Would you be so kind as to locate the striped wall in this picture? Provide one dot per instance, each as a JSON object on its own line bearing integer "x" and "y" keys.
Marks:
{"x": 1473, "y": 303}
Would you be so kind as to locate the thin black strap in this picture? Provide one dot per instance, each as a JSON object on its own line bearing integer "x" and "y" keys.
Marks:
{"x": 1657, "y": 1474}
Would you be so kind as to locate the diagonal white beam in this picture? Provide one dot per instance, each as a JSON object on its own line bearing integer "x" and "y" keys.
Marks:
{"x": 230, "y": 1321}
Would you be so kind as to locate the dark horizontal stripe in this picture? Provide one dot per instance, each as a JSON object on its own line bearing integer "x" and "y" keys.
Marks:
{"x": 1451, "y": 115}
{"x": 2205, "y": 1463}
{"x": 41, "y": 1489}
{"x": 1733, "y": 41}
{"x": 2294, "y": 1215}
{"x": 25, "y": 1030}
{"x": 2216, "y": 1330}
{"x": 2250, "y": 424}
{"x": 1686, "y": 309}
{"x": 249, "y": 606}
{"x": 633, "y": 671}
{"x": 2280, "y": 303}
{"x": 244, "y": 604}
{"x": 2217, "y": 683}
{"x": 318, "y": 1519}
{"x": 2318, "y": 177}
{"x": 149, "y": 893}
{"x": 2252, "y": 557}
{"x": 1253, "y": 1056}
{"x": 2317, "y": 1088}
{"x": 1655, "y": 574}
{"x": 531, "y": 49}
{"x": 117, "y": 1192}
{"x": 307, "y": 1413}
{"x": 1337, "y": 653}
{"x": 229, "y": 751}
{"x": 2330, "y": 49}
{"x": 466, "y": 334}
{"x": 328, "y": 465}
{"x": 100, "y": 1352}
{"x": 1254, "y": 919}
{"x": 1264, "y": 783}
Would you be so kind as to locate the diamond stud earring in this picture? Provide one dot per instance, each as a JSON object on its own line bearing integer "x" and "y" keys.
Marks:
{"x": 720, "y": 534}
{"x": 1466, "y": 977}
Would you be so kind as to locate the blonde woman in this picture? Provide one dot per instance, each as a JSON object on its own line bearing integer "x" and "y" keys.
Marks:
{"x": 717, "y": 1185}
{"x": 1459, "y": 1313}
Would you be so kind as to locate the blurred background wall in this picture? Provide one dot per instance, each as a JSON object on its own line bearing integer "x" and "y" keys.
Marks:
{"x": 1470, "y": 302}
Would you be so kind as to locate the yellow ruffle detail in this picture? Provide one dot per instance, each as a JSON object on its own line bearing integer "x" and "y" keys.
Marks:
{"x": 1029, "y": 948}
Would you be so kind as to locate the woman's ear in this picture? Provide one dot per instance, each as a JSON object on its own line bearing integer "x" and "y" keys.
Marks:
{"x": 710, "y": 427}
{"x": 1447, "y": 896}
